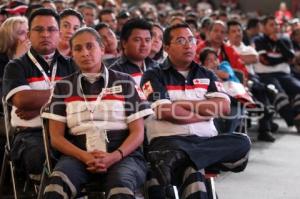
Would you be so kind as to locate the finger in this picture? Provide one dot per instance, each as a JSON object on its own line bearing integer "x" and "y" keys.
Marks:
{"x": 100, "y": 165}
{"x": 91, "y": 162}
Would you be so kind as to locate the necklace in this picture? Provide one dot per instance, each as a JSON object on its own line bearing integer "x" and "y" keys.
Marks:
{"x": 51, "y": 81}
{"x": 91, "y": 108}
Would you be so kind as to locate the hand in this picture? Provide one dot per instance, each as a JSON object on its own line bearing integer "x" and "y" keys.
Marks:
{"x": 104, "y": 160}
{"x": 27, "y": 115}
{"x": 88, "y": 159}
{"x": 22, "y": 48}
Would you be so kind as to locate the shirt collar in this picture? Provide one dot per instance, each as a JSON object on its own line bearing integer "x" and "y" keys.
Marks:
{"x": 167, "y": 64}
{"x": 100, "y": 76}
{"x": 55, "y": 56}
{"x": 147, "y": 62}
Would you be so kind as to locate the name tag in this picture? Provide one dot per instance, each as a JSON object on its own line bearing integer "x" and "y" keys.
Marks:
{"x": 95, "y": 140}
{"x": 202, "y": 81}
{"x": 114, "y": 90}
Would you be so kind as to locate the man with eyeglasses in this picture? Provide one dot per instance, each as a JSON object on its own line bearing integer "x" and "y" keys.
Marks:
{"x": 183, "y": 140}
{"x": 27, "y": 86}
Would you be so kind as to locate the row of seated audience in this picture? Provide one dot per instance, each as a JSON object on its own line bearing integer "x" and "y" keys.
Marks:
{"x": 173, "y": 82}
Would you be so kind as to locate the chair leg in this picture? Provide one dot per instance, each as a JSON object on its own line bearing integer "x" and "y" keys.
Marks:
{"x": 42, "y": 183}
{"x": 13, "y": 179}
{"x": 3, "y": 172}
{"x": 212, "y": 194}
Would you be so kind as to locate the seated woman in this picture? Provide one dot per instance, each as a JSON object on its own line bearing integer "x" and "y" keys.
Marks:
{"x": 13, "y": 40}
{"x": 104, "y": 111}
{"x": 13, "y": 44}
{"x": 157, "y": 52}
{"x": 70, "y": 21}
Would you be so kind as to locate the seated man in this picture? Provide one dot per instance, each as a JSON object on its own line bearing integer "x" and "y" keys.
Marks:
{"x": 27, "y": 85}
{"x": 104, "y": 111}
{"x": 182, "y": 136}
{"x": 259, "y": 90}
{"x": 275, "y": 56}
{"x": 135, "y": 41}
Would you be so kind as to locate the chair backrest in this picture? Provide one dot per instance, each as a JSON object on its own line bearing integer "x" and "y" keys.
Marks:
{"x": 46, "y": 140}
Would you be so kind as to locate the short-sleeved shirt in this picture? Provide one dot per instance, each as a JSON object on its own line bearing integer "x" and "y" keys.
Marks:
{"x": 165, "y": 85}
{"x": 124, "y": 65}
{"x": 74, "y": 97}
{"x": 22, "y": 74}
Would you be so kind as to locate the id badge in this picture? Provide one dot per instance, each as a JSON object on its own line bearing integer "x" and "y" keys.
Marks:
{"x": 95, "y": 140}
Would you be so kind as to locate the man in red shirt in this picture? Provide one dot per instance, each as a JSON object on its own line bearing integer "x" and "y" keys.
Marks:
{"x": 225, "y": 52}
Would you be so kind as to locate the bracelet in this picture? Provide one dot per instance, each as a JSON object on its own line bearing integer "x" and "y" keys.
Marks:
{"x": 121, "y": 152}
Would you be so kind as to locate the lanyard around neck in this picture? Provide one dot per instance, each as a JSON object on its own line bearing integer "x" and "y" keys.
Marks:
{"x": 38, "y": 65}
{"x": 99, "y": 97}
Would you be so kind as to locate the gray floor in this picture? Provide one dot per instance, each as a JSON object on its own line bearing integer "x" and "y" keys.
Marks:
{"x": 273, "y": 171}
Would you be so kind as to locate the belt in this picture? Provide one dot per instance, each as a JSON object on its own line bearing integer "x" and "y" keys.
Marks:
{"x": 20, "y": 129}
{"x": 117, "y": 134}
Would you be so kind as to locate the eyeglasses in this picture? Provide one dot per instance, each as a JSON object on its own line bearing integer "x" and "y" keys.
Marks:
{"x": 183, "y": 41}
{"x": 40, "y": 29}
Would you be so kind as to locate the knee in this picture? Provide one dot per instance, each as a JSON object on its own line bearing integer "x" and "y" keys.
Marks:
{"x": 243, "y": 143}
{"x": 33, "y": 161}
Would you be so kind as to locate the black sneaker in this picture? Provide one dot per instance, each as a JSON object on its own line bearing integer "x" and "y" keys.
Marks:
{"x": 274, "y": 127}
{"x": 266, "y": 136}
{"x": 297, "y": 125}
{"x": 163, "y": 164}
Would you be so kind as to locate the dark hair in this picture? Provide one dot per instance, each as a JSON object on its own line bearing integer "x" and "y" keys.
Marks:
{"x": 233, "y": 23}
{"x": 132, "y": 24}
{"x": 47, "y": 1}
{"x": 252, "y": 23}
{"x": 86, "y": 5}
{"x": 167, "y": 33}
{"x": 205, "y": 52}
{"x": 89, "y": 30}
{"x": 105, "y": 11}
{"x": 71, "y": 12}
{"x": 206, "y": 22}
{"x": 265, "y": 20}
{"x": 93, "y": 5}
{"x": 43, "y": 12}
{"x": 192, "y": 21}
{"x": 160, "y": 53}
{"x": 31, "y": 8}
{"x": 100, "y": 25}
{"x": 123, "y": 14}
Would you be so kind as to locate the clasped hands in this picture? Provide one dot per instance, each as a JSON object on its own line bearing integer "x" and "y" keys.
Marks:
{"x": 99, "y": 161}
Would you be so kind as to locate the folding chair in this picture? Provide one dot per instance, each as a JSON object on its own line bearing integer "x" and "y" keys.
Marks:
{"x": 48, "y": 166}
{"x": 93, "y": 189}
{"x": 7, "y": 161}
{"x": 6, "y": 158}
